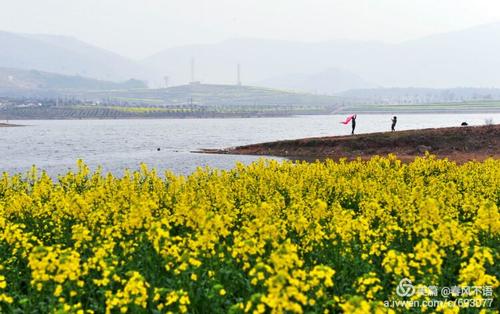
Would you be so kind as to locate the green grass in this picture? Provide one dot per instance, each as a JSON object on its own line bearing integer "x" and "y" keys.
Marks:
{"x": 143, "y": 100}
{"x": 462, "y": 106}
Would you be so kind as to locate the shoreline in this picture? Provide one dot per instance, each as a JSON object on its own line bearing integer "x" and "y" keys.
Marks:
{"x": 9, "y": 125}
{"x": 244, "y": 115}
{"x": 460, "y": 144}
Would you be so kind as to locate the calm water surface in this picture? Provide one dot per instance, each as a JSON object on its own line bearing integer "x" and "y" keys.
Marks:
{"x": 120, "y": 144}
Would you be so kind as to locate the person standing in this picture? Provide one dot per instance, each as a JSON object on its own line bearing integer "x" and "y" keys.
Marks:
{"x": 352, "y": 120}
{"x": 393, "y": 125}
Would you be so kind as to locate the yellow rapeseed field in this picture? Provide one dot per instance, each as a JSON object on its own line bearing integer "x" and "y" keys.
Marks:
{"x": 270, "y": 237}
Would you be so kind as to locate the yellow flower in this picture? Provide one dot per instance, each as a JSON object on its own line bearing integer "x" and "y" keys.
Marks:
{"x": 194, "y": 277}
{"x": 283, "y": 233}
{"x": 58, "y": 291}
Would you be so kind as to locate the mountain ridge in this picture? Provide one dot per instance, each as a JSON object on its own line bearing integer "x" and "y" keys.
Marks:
{"x": 16, "y": 81}
{"x": 458, "y": 58}
{"x": 444, "y": 60}
{"x": 65, "y": 55}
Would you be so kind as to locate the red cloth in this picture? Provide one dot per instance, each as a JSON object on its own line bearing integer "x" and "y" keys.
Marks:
{"x": 349, "y": 118}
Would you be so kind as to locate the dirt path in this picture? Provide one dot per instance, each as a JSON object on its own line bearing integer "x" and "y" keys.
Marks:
{"x": 460, "y": 144}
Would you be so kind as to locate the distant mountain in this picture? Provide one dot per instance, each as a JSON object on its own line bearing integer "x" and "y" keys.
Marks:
{"x": 463, "y": 58}
{"x": 330, "y": 81}
{"x": 260, "y": 59}
{"x": 466, "y": 58}
{"x": 17, "y": 81}
{"x": 65, "y": 55}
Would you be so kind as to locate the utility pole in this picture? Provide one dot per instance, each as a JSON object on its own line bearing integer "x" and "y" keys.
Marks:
{"x": 238, "y": 75}
{"x": 192, "y": 70}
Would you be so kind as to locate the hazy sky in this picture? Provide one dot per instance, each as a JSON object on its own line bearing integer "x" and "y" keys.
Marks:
{"x": 137, "y": 28}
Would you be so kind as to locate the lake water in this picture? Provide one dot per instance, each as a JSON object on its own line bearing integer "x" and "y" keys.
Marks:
{"x": 119, "y": 144}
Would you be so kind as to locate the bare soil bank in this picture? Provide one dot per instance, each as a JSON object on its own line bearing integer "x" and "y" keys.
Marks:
{"x": 460, "y": 144}
{"x": 7, "y": 125}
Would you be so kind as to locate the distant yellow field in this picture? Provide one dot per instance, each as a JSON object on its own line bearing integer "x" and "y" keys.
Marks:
{"x": 270, "y": 237}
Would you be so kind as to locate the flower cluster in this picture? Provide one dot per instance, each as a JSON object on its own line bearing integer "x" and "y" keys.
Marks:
{"x": 269, "y": 237}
